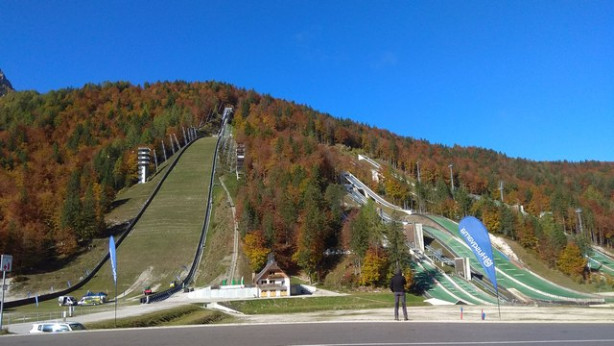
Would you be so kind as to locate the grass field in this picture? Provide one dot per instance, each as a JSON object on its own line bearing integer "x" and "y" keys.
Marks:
{"x": 218, "y": 247}
{"x": 172, "y": 221}
{"x": 217, "y": 254}
{"x": 355, "y": 301}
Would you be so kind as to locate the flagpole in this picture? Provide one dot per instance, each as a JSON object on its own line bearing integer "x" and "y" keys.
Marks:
{"x": 116, "y": 304}
{"x": 476, "y": 236}
{"x": 113, "y": 258}
{"x": 2, "y": 301}
{"x": 497, "y": 289}
{"x": 498, "y": 304}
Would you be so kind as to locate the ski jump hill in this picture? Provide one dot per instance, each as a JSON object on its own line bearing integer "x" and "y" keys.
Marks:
{"x": 443, "y": 244}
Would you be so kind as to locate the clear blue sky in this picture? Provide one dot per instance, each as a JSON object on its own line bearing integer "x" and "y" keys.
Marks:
{"x": 531, "y": 79}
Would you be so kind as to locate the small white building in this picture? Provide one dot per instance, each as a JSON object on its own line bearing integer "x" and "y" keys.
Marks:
{"x": 272, "y": 281}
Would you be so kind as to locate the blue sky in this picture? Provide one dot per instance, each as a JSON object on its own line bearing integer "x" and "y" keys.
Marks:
{"x": 530, "y": 79}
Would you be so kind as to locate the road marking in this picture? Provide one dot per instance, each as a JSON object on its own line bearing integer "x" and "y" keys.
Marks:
{"x": 503, "y": 342}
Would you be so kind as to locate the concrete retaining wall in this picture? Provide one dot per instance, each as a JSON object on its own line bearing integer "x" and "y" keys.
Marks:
{"x": 224, "y": 292}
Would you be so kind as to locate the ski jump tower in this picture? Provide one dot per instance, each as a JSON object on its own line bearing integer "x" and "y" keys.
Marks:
{"x": 144, "y": 158}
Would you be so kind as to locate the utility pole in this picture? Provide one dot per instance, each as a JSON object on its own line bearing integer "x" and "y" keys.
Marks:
{"x": 451, "y": 179}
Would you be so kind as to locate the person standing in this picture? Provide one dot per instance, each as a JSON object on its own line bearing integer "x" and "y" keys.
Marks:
{"x": 397, "y": 286}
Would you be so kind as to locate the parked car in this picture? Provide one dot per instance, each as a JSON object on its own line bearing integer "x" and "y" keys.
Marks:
{"x": 55, "y": 327}
{"x": 92, "y": 294}
{"x": 101, "y": 294}
{"x": 147, "y": 291}
{"x": 91, "y": 300}
{"x": 67, "y": 300}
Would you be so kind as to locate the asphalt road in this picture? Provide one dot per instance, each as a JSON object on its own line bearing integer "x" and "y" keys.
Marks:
{"x": 338, "y": 333}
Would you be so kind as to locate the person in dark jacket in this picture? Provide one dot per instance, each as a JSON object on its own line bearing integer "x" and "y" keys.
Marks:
{"x": 397, "y": 286}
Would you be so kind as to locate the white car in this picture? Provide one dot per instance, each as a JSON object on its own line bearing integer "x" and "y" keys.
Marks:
{"x": 67, "y": 300}
{"x": 55, "y": 327}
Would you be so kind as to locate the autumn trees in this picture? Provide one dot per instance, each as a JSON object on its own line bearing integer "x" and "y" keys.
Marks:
{"x": 64, "y": 155}
{"x": 571, "y": 260}
{"x": 285, "y": 140}
{"x": 378, "y": 248}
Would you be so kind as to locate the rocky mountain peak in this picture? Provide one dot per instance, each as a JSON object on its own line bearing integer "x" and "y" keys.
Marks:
{"x": 5, "y": 85}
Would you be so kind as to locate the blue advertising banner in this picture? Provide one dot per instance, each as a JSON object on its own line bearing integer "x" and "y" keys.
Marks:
{"x": 475, "y": 234}
{"x": 113, "y": 258}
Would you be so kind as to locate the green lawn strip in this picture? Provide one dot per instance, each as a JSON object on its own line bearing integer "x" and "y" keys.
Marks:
{"x": 217, "y": 253}
{"x": 164, "y": 241}
{"x": 232, "y": 184}
{"x": 359, "y": 301}
{"x": 181, "y": 315}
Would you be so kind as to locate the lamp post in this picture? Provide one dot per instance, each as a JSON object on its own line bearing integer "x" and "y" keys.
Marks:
{"x": 451, "y": 179}
{"x": 501, "y": 189}
{"x": 418, "y": 169}
{"x": 579, "y": 212}
{"x": 6, "y": 265}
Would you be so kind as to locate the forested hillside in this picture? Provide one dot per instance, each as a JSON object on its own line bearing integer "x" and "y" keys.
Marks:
{"x": 66, "y": 153}
{"x": 295, "y": 154}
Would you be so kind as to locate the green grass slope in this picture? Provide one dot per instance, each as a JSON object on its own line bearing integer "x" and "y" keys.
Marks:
{"x": 163, "y": 243}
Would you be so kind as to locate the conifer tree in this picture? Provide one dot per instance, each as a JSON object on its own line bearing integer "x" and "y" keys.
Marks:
{"x": 312, "y": 231}
{"x": 397, "y": 249}
{"x": 72, "y": 203}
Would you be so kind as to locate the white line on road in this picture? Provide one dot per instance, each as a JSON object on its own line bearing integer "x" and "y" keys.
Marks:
{"x": 502, "y": 342}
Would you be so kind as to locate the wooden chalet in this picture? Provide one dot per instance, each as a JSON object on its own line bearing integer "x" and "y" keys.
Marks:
{"x": 272, "y": 281}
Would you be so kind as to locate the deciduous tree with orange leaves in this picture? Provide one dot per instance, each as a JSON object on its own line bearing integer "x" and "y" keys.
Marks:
{"x": 255, "y": 249}
{"x": 373, "y": 268}
{"x": 571, "y": 261}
